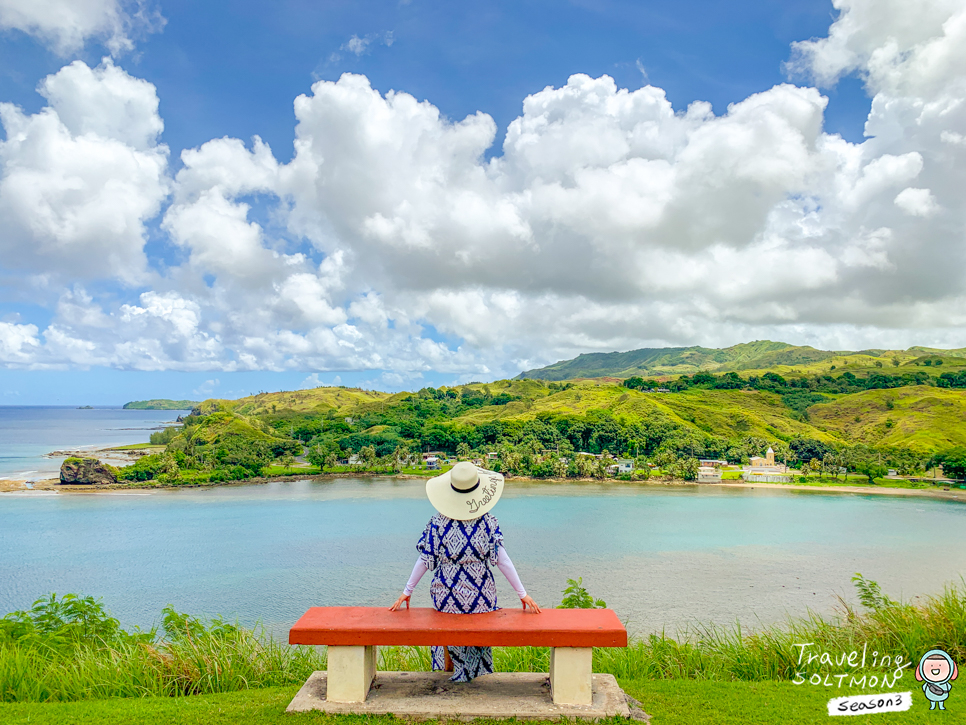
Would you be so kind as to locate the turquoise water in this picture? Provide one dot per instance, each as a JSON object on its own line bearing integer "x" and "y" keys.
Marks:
{"x": 27, "y": 433}
{"x": 661, "y": 556}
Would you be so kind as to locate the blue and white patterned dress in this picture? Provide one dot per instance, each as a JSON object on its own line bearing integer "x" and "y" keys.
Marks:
{"x": 459, "y": 553}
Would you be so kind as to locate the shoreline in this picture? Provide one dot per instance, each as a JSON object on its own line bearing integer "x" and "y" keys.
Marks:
{"x": 53, "y": 485}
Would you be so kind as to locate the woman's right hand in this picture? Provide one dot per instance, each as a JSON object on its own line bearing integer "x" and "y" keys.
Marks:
{"x": 528, "y": 602}
{"x": 399, "y": 602}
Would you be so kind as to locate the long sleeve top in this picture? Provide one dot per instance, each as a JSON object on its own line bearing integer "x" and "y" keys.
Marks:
{"x": 503, "y": 564}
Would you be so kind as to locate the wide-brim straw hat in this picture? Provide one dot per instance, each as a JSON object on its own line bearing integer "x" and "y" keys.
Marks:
{"x": 465, "y": 492}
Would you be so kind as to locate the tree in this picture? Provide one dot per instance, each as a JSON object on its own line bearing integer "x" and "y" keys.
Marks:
{"x": 871, "y": 469}
{"x": 895, "y": 362}
{"x": 368, "y": 455}
{"x": 462, "y": 451}
{"x": 686, "y": 469}
{"x": 605, "y": 460}
{"x": 585, "y": 465}
{"x": 953, "y": 461}
{"x": 400, "y": 457}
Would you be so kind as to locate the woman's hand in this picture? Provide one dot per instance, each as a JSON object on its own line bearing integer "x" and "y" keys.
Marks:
{"x": 399, "y": 602}
{"x": 527, "y": 601}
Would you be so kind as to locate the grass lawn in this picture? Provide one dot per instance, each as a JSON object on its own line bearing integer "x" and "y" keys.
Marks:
{"x": 139, "y": 447}
{"x": 688, "y": 702}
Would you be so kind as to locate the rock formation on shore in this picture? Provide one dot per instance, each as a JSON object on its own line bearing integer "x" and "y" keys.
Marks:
{"x": 87, "y": 471}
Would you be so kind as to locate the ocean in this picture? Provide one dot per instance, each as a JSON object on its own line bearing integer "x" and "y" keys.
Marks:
{"x": 28, "y": 433}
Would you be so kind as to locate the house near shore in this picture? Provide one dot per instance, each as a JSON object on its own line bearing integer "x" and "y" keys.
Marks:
{"x": 709, "y": 474}
{"x": 625, "y": 465}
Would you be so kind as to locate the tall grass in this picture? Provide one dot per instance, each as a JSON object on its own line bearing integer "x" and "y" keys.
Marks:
{"x": 70, "y": 649}
{"x": 711, "y": 652}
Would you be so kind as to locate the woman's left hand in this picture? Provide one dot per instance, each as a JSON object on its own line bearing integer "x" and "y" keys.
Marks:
{"x": 527, "y": 601}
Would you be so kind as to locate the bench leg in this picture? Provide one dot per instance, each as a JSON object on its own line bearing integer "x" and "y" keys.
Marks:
{"x": 351, "y": 671}
{"x": 571, "y": 675}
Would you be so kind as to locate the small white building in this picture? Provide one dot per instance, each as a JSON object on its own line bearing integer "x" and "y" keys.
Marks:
{"x": 625, "y": 465}
{"x": 709, "y": 474}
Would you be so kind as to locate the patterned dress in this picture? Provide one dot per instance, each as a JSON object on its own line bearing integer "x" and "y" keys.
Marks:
{"x": 459, "y": 554}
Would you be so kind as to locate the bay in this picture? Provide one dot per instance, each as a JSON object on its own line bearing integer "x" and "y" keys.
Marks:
{"x": 27, "y": 433}
{"x": 661, "y": 556}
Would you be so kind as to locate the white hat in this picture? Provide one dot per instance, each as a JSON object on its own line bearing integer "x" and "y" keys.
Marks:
{"x": 465, "y": 492}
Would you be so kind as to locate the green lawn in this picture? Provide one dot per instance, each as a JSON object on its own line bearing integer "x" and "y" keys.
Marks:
{"x": 688, "y": 702}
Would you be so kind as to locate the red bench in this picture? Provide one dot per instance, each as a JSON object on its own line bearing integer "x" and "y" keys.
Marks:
{"x": 352, "y": 634}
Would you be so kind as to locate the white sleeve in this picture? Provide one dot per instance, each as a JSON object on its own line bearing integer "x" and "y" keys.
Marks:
{"x": 506, "y": 566}
{"x": 417, "y": 574}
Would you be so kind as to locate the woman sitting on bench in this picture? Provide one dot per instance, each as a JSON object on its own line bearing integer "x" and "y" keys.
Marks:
{"x": 458, "y": 545}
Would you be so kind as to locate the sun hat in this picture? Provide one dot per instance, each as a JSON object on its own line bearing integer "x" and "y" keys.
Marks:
{"x": 465, "y": 492}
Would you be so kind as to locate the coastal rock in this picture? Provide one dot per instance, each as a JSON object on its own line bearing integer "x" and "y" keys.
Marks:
{"x": 87, "y": 471}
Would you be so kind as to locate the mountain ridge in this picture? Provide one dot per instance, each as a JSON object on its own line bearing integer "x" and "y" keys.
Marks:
{"x": 755, "y": 355}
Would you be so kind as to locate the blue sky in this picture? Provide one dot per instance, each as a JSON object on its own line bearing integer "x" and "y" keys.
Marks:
{"x": 222, "y": 70}
{"x": 233, "y": 68}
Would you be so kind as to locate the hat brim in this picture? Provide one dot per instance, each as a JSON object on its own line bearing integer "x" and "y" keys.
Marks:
{"x": 465, "y": 506}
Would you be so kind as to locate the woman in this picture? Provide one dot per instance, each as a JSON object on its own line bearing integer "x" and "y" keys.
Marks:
{"x": 458, "y": 545}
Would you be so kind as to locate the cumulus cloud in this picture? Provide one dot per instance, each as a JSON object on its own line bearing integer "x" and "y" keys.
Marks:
{"x": 66, "y": 25}
{"x": 79, "y": 179}
{"x": 609, "y": 220}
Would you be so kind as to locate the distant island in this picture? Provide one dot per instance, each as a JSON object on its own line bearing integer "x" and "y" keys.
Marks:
{"x": 161, "y": 404}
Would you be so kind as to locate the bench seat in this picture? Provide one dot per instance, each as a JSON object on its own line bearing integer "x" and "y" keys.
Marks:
{"x": 352, "y": 634}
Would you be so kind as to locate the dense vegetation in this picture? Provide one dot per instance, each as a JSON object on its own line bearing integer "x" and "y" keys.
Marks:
{"x": 823, "y": 423}
{"x": 72, "y": 649}
{"x": 825, "y": 413}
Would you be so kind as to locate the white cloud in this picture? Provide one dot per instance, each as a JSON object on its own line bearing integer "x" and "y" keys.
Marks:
{"x": 66, "y": 25}
{"x": 918, "y": 202}
{"x": 314, "y": 381}
{"x": 79, "y": 179}
{"x": 207, "y": 388}
{"x": 609, "y": 221}
{"x": 356, "y": 45}
{"x": 18, "y": 343}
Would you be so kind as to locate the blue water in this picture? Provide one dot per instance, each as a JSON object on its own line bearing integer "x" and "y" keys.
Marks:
{"x": 27, "y": 433}
{"x": 661, "y": 556}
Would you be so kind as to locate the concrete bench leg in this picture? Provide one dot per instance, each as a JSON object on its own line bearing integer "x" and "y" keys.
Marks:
{"x": 350, "y": 674}
{"x": 571, "y": 675}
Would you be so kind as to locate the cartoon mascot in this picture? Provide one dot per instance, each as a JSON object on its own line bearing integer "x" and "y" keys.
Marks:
{"x": 935, "y": 670}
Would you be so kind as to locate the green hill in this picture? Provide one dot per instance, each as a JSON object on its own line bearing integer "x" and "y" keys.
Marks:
{"x": 761, "y": 355}
{"x": 160, "y": 404}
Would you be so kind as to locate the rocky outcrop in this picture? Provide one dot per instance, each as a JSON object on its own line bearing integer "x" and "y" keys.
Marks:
{"x": 87, "y": 471}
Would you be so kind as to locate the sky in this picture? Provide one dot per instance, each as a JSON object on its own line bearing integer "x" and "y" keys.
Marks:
{"x": 213, "y": 199}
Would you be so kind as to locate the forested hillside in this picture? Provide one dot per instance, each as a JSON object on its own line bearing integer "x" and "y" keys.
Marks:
{"x": 900, "y": 415}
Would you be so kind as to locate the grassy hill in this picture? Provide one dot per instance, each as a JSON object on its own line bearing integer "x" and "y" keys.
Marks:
{"x": 922, "y": 418}
{"x": 317, "y": 400}
{"x": 858, "y": 408}
{"x": 759, "y": 356}
{"x": 160, "y": 404}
